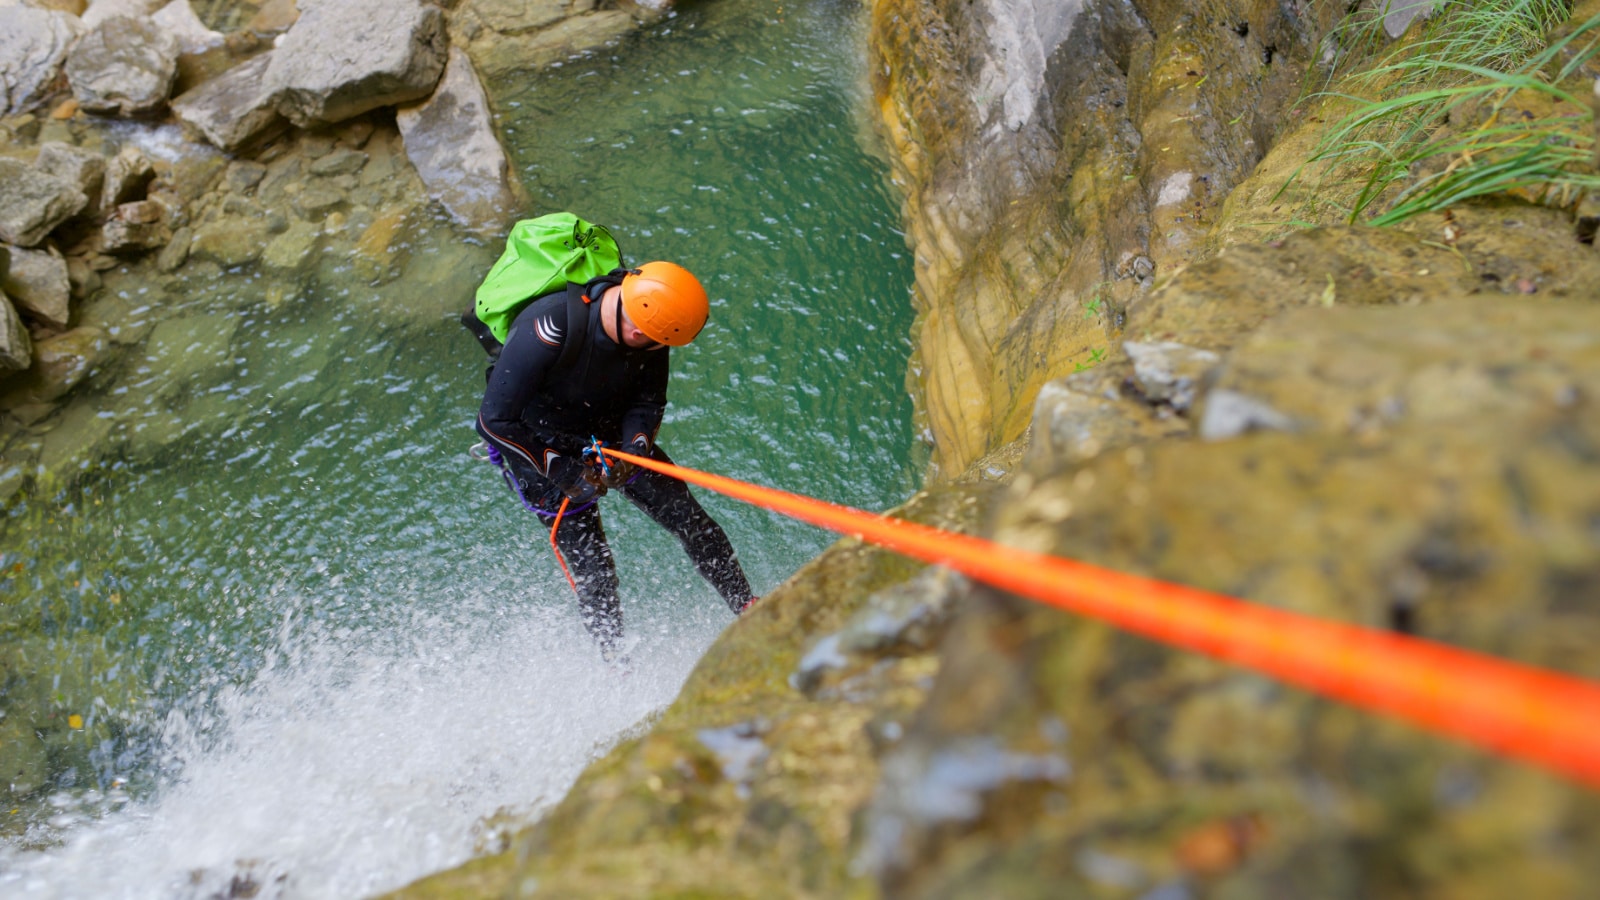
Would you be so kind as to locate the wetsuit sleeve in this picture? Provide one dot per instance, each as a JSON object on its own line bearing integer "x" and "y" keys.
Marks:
{"x": 649, "y": 402}
{"x": 533, "y": 345}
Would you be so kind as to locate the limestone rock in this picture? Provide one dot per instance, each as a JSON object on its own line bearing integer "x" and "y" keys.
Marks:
{"x": 342, "y": 160}
{"x": 128, "y": 176}
{"x": 1229, "y": 414}
{"x": 1366, "y": 372}
{"x": 1169, "y": 372}
{"x": 294, "y": 249}
{"x": 179, "y": 20}
{"x": 452, "y": 142}
{"x": 16, "y": 346}
{"x": 99, "y": 11}
{"x": 124, "y": 66}
{"x": 1081, "y": 416}
{"x": 64, "y": 361}
{"x": 37, "y": 283}
{"x": 33, "y": 45}
{"x": 232, "y": 111}
{"x": 83, "y": 169}
{"x": 176, "y": 252}
{"x": 341, "y": 59}
{"x": 134, "y": 228}
{"x": 496, "y": 55}
{"x": 230, "y": 241}
{"x": 32, "y": 203}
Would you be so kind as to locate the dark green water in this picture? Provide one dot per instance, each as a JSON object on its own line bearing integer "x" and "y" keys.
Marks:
{"x": 314, "y": 612}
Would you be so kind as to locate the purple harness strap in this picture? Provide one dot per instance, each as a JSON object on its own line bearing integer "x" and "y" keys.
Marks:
{"x": 511, "y": 481}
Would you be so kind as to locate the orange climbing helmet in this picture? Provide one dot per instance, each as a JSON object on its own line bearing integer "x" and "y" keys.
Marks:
{"x": 666, "y": 302}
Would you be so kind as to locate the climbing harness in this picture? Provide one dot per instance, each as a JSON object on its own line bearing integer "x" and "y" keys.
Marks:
{"x": 1516, "y": 710}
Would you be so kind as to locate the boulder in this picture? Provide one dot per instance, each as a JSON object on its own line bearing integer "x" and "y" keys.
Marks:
{"x": 64, "y": 361}
{"x": 342, "y": 59}
{"x": 124, "y": 66}
{"x": 134, "y": 228}
{"x": 496, "y": 54}
{"x": 37, "y": 283}
{"x": 232, "y": 111}
{"x": 16, "y": 347}
{"x": 128, "y": 177}
{"x": 100, "y": 10}
{"x": 230, "y": 241}
{"x": 178, "y": 19}
{"x": 33, "y": 202}
{"x": 452, "y": 142}
{"x": 83, "y": 169}
{"x": 1169, "y": 372}
{"x": 33, "y": 45}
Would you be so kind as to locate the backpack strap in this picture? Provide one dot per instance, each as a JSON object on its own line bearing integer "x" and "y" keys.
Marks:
{"x": 577, "y": 324}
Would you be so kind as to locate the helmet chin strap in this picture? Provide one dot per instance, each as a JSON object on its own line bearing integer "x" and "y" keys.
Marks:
{"x": 654, "y": 345}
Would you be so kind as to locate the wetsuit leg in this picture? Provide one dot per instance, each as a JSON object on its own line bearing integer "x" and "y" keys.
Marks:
{"x": 582, "y": 540}
{"x": 668, "y": 501}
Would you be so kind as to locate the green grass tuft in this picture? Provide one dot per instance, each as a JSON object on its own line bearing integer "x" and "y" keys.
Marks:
{"x": 1479, "y": 104}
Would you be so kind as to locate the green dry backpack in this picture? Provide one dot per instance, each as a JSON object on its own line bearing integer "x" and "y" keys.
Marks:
{"x": 542, "y": 255}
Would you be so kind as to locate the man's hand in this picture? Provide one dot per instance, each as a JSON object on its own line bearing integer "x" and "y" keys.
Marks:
{"x": 576, "y": 480}
{"x": 618, "y": 474}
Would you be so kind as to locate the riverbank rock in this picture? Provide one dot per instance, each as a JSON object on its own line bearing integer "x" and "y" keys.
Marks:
{"x": 16, "y": 346}
{"x": 344, "y": 58}
{"x": 505, "y": 36}
{"x": 233, "y": 111}
{"x": 33, "y": 202}
{"x": 33, "y": 46}
{"x": 452, "y": 142}
{"x": 37, "y": 283}
{"x": 124, "y": 66}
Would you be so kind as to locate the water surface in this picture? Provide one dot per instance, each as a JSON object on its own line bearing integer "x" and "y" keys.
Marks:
{"x": 311, "y": 646}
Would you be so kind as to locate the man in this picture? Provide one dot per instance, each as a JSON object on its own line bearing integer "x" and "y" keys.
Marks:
{"x": 543, "y": 406}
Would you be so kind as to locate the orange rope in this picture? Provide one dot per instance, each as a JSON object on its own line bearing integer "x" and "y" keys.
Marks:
{"x": 1516, "y": 710}
{"x": 559, "y": 558}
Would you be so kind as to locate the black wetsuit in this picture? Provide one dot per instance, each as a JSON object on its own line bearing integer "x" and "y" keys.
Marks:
{"x": 540, "y": 417}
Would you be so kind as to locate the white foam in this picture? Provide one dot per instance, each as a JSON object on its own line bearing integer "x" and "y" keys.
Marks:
{"x": 358, "y": 762}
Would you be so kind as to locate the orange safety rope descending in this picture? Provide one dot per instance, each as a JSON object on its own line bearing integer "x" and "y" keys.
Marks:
{"x": 554, "y": 526}
{"x": 1516, "y": 710}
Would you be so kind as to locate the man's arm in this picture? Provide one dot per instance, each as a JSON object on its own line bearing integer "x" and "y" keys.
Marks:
{"x": 533, "y": 345}
{"x": 649, "y": 402}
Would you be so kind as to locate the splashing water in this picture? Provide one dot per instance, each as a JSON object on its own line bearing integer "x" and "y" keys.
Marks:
{"x": 397, "y": 755}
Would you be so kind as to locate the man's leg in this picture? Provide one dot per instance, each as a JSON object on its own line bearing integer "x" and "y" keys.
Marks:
{"x": 668, "y": 501}
{"x": 583, "y": 545}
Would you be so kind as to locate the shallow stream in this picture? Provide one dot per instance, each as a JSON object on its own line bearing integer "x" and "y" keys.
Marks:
{"x": 314, "y": 650}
